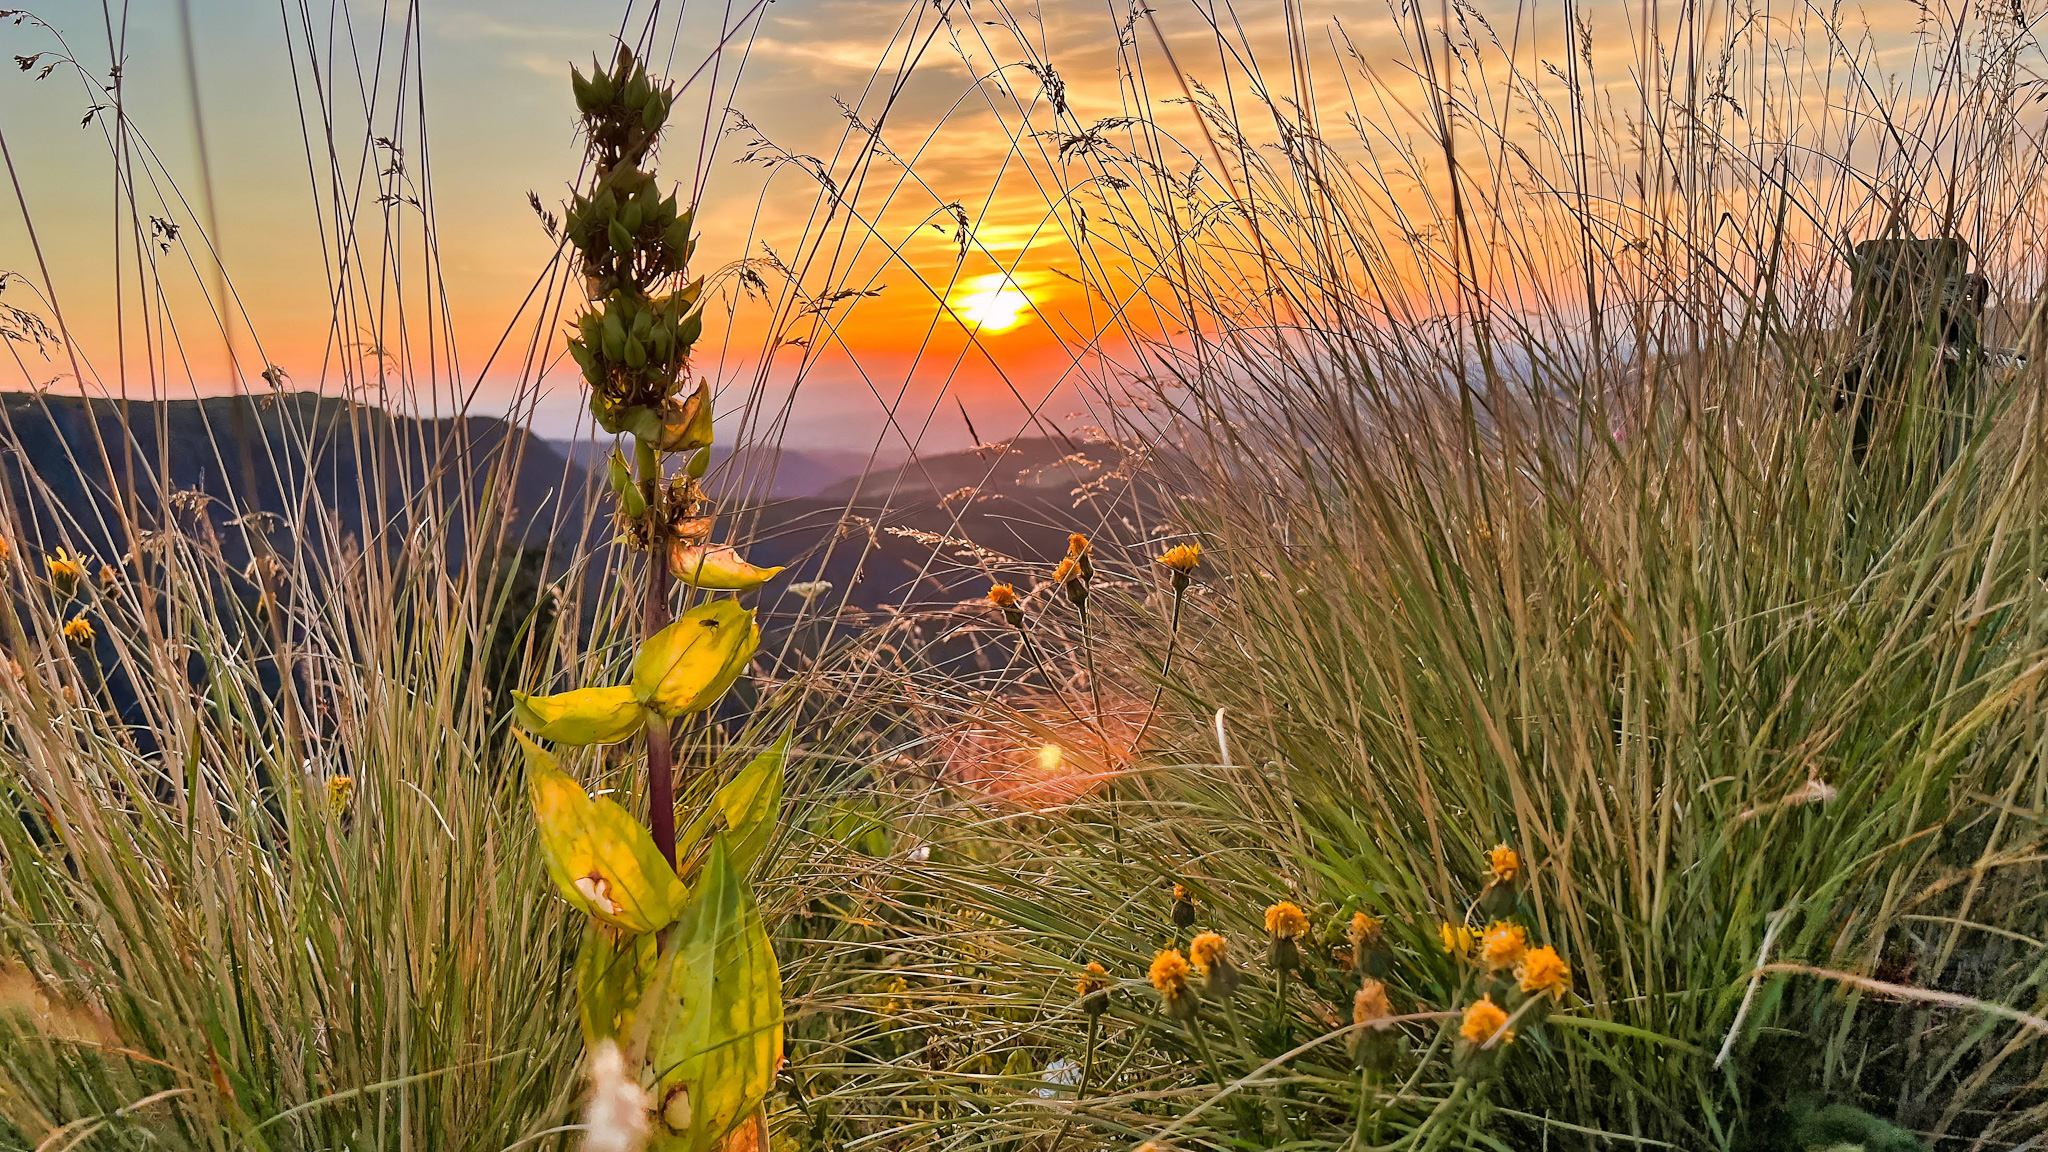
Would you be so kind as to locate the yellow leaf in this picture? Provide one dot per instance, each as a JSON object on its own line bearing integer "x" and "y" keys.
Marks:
{"x": 684, "y": 425}
{"x": 717, "y": 567}
{"x": 585, "y": 716}
{"x": 720, "y": 1049}
{"x": 601, "y": 859}
{"x": 688, "y": 665}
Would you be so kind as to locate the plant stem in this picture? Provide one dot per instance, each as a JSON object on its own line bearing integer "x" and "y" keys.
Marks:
{"x": 661, "y": 769}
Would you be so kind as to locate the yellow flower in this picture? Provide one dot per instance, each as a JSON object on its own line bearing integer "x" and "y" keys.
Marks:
{"x": 340, "y": 790}
{"x": 1285, "y": 921}
{"x": 1182, "y": 558}
{"x": 1078, "y": 546}
{"x": 6, "y": 548}
{"x": 1169, "y": 974}
{"x": 79, "y": 631}
{"x": 64, "y": 569}
{"x": 1002, "y": 595}
{"x": 1456, "y": 939}
{"x": 893, "y": 1003}
{"x": 1543, "y": 970}
{"x": 1482, "y": 1020}
{"x": 1503, "y": 864}
{"x": 1371, "y": 1003}
{"x": 1180, "y": 892}
{"x": 1067, "y": 570}
{"x": 1093, "y": 979}
{"x": 1364, "y": 930}
{"x": 1503, "y": 945}
{"x": 1208, "y": 950}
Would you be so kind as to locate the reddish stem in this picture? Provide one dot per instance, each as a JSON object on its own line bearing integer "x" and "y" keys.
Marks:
{"x": 661, "y": 769}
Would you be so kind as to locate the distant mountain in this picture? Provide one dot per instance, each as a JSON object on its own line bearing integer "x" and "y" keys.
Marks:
{"x": 67, "y": 472}
{"x": 931, "y": 530}
{"x": 787, "y": 472}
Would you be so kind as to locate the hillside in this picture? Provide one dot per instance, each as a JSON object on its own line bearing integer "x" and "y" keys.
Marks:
{"x": 928, "y": 530}
{"x": 66, "y": 475}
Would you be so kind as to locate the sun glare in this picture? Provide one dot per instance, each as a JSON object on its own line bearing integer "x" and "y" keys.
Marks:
{"x": 994, "y": 305}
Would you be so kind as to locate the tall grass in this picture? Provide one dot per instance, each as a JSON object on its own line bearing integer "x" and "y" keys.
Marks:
{"x": 1499, "y": 379}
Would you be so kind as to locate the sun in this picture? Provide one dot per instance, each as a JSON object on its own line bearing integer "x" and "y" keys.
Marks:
{"x": 993, "y": 305}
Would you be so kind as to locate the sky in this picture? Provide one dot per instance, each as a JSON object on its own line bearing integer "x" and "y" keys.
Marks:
{"x": 401, "y": 262}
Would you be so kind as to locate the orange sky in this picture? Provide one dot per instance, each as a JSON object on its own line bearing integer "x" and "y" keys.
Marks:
{"x": 488, "y": 82}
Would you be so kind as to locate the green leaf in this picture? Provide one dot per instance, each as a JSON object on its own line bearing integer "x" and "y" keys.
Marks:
{"x": 688, "y": 665}
{"x": 585, "y": 716}
{"x": 716, "y": 1057}
{"x": 600, "y": 858}
{"x": 612, "y": 972}
{"x": 749, "y": 802}
{"x": 621, "y": 475}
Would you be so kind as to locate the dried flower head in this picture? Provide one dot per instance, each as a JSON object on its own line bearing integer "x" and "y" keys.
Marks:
{"x": 1182, "y": 558}
{"x": 1371, "y": 1004}
{"x": 1503, "y": 864}
{"x": 1363, "y": 931}
{"x": 1503, "y": 946}
{"x": 1207, "y": 951}
{"x": 1542, "y": 970}
{"x": 1457, "y": 940}
{"x": 1285, "y": 921}
{"x": 1483, "y": 1020}
{"x": 79, "y": 631}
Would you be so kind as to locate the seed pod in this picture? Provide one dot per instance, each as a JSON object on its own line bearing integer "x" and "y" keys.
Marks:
{"x": 614, "y": 336}
{"x": 622, "y": 240}
{"x": 688, "y": 329}
{"x": 636, "y": 353}
{"x": 580, "y": 352}
{"x": 655, "y": 112}
{"x": 632, "y": 216}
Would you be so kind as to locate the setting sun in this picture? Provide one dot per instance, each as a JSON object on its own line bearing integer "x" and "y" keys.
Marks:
{"x": 993, "y": 304}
